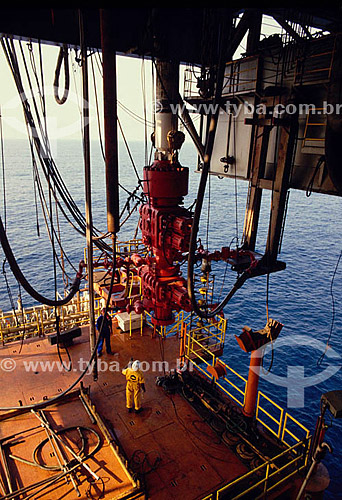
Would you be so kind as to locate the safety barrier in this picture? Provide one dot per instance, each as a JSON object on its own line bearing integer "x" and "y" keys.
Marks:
{"x": 314, "y": 131}
{"x": 268, "y": 413}
{"x": 291, "y": 425}
{"x": 209, "y": 333}
{"x": 267, "y": 476}
{"x": 199, "y": 354}
{"x": 263, "y": 415}
{"x": 124, "y": 248}
{"x": 41, "y": 320}
{"x": 316, "y": 66}
{"x": 240, "y": 78}
{"x": 166, "y": 331}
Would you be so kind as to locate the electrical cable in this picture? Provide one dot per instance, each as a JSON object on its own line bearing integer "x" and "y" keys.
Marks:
{"x": 46, "y": 161}
{"x": 309, "y": 188}
{"x": 92, "y": 357}
{"x": 320, "y": 360}
{"x": 38, "y": 449}
{"x": 140, "y": 459}
{"x": 9, "y": 293}
{"x": 136, "y": 117}
{"x": 200, "y": 196}
{"x": 123, "y": 136}
{"x": 3, "y": 169}
{"x": 62, "y": 56}
{"x": 23, "y": 281}
{"x": 45, "y": 212}
{"x": 189, "y": 432}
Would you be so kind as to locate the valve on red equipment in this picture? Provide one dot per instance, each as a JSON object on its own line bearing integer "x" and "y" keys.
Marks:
{"x": 165, "y": 226}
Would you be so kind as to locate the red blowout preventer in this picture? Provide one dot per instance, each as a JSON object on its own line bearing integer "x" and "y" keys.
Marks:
{"x": 165, "y": 227}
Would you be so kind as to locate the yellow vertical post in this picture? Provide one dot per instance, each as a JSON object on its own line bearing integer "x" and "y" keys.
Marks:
{"x": 41, "y": 320}
{"x": 62, "y": 316}
{"x": 141, "y": 323}
{"x": 182, "y": 341}
{"x": 188, "y": 340}
{"x": 37, "y": 322}
{"x": 266, "y": 479}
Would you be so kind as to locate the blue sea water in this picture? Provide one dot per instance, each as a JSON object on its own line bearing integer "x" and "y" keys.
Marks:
{"x": 299, "y": 297}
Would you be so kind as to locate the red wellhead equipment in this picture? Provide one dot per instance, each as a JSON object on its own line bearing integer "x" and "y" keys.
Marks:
{"x": 165, "y": 227}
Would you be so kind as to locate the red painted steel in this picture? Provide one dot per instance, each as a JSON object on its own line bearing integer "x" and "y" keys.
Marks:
{"x": 165, "y": 227}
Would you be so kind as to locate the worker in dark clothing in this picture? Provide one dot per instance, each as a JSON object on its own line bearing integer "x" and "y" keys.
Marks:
{"x": 104, "y": 327}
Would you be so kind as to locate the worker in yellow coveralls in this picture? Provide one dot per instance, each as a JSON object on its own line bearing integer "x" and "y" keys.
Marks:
{"x": 135, "y": 385}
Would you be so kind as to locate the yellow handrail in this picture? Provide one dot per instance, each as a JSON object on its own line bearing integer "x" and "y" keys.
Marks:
{"x": 198, "y": 353}
{"x": 267, "y": 467}
{"x": 260, "y": 408}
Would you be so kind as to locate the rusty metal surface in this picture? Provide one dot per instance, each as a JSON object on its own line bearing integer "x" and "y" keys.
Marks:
{"x": 191, "y": 458}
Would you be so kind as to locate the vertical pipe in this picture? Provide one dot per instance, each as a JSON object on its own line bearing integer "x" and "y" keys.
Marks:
{"x": 110, "y": 120}
{"x": 254, "y": 32}
{"x": 87, "y": 175}
{"x": 252, "y": 384}
{"x": 167, "y": 101}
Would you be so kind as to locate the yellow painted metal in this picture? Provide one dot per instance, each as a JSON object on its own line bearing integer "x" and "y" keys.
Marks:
{"x": 39, "y": 321}
{"x": 260, "y": 408}
{"x": 313, "y": 124}
{"x": 266, "y": 466}
{"x": 163, "y": 331}
{"x": 196, "y": 351}
{"x": 199, "y": 355}
{"x": 288, "y": 417}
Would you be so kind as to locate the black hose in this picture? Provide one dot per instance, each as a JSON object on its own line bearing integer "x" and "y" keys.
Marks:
{"x": 62, "y": 56}
{"x": 200, "y": 196}
{"x": 23, "y": 281}
{"x": 37, "y": 451}
{"x": 92, "y": 357}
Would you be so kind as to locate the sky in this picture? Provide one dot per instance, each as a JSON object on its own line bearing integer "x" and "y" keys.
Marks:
{"x": 64, "y": 121}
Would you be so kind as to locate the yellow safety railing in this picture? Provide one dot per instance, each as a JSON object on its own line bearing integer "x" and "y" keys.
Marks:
{"x": 268, "y": 413}
{"x": 291, "y": 425}
{"x": 265, "y": 478}
{"x": 122, "y": 247}
{"x": 241, "y": 76}
{"x": 311, "y": 126}
{"x": 210, "y": 334}
{"x": 166, "y": 331}
{"x": 273, "y": 424}
{"x": 318, "y": 62}
{"x": 141, "y": 325}
{"x": 197, "y": 354}
{"x": 41, "y": 320}
{"x": 131, "y": 246}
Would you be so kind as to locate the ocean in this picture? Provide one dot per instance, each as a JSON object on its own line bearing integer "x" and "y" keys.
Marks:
{"x": 299, "y": 297}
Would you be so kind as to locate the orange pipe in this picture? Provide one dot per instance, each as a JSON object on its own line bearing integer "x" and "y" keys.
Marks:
{"x": 252, "y": 384}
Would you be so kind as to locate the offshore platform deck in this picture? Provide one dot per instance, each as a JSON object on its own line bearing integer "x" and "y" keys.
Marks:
{"x": 166, "y": 451}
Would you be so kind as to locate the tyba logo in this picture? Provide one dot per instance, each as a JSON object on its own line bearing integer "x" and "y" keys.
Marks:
{"x": 295, "y": 380}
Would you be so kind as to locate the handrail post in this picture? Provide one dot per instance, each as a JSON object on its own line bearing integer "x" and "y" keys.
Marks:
{"x": 266, "y": 479}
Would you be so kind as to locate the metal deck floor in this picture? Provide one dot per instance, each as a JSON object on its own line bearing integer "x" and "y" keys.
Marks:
{"x": 193, "y": 461}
